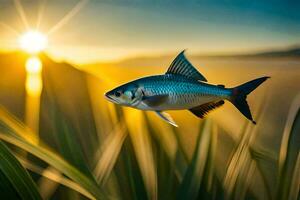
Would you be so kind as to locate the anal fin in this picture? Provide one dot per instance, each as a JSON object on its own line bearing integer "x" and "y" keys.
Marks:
{"x": 202, "y": 110}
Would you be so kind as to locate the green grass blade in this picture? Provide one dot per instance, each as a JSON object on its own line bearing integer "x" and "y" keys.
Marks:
{"x": 164, "y": 156}
{"x": 208, "y": 187}
{"x": 16, "y": 133}
{"x": 294, "y": 192}
{"x": 289, "y": 152}
{"x": 128, "y": 173}
{"x": 68, "y": 142}
{"x": 17, "y": 175}
{"x": 57, "y": 162}
{"x": 54, "y": 176}
{"x": 141, "y": 141}
{"x": 110, "y": 152}
{"x": 190, "y": 185}
{"x": 6, "y": 186}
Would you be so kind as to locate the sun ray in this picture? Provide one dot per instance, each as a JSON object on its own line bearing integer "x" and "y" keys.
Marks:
{"x": 21, "y": 12}
{"x": 9, "y": 28}
{"x": 41, "y": 12}
{"x": 68, "y": 16}
{"x": 7, "y": 44}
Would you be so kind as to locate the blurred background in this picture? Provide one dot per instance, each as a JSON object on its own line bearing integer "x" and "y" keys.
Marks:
{"x": 60, "y": 139}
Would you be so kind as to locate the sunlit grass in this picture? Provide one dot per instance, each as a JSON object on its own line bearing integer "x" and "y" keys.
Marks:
{"x": 199, "y": 176}
{"x": 16, "y": 134}
{"x": 131, "y": 154}
{"x": 200, "y": 173}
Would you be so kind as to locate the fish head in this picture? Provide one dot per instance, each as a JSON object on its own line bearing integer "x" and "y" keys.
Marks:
{"x": 125, "y": 95}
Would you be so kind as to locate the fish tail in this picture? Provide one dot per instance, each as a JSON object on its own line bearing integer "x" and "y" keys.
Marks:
{"x": 239, "y": 96}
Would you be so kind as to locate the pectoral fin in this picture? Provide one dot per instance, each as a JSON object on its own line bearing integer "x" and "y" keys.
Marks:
{"x": 155, "y": 100}
{"x": 165, "y": 116}
{"x": 202, "y": 110}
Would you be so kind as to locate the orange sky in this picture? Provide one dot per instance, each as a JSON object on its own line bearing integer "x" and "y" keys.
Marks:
{"x": 89, "y": 31}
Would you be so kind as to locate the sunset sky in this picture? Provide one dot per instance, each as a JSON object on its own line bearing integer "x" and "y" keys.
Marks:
{"x": 105, "y": 30}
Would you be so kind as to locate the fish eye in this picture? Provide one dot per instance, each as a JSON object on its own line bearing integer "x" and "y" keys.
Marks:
{"x": 118, "y": 93}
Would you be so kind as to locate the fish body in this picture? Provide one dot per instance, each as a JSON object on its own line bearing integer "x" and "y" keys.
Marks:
{"x": 181, "y": 92}
{"x": 182, "y": 87}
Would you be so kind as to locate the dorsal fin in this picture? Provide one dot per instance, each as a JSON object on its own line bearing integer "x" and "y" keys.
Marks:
{"x": 202, "y": 110}
{"x": 181, "y": 66}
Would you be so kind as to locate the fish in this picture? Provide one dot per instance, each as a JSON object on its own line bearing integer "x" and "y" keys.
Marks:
{"x": 182, "y": 87}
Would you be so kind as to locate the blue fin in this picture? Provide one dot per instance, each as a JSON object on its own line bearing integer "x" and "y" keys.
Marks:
{"x": 166, "y": 117}
{"x": 181, "y": 66}
{"x": 239, "y": 95}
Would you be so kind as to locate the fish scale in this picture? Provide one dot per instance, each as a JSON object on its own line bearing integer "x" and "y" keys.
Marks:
{"x": 182, "y": 92}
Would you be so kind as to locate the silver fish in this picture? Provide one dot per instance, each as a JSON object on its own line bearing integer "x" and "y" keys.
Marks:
{"x": 182, "y": 87}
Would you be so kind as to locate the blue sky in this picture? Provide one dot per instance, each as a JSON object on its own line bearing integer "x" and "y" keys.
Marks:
{"x": 108, "y": 30}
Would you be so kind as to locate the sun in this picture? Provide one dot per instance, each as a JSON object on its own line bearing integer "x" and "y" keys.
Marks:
{"x": 33, "y": 41}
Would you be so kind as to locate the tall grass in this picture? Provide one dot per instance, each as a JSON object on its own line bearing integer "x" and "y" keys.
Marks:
{"x": 140, "y": 157}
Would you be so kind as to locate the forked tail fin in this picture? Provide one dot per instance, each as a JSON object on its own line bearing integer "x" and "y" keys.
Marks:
{"x": 239, "y": 95}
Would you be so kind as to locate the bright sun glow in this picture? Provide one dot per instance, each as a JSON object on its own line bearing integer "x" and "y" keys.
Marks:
{"x": 33, "y": 65}
{"x": 33, "y": 78}
{"x": 33, "y": 41}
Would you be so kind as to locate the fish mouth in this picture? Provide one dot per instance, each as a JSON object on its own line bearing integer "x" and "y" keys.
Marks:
{"x": 109, "y": 98}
